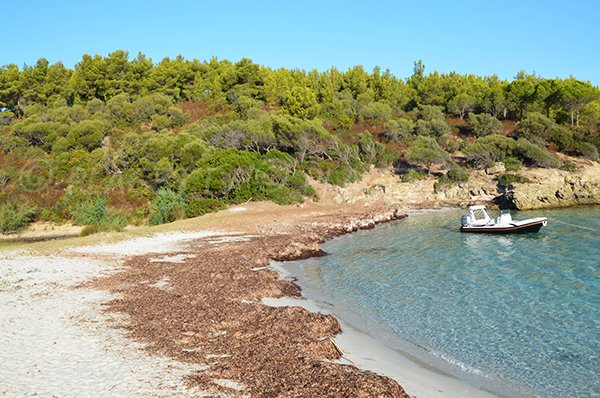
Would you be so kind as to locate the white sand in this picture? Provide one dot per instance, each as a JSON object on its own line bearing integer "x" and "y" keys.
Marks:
{"x": 365, "y": 352}
{"x": 57, "y": 341}
{"x": 159, "y": 243}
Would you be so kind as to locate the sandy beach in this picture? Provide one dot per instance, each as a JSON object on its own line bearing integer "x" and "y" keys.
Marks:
{"x": 195, "y": 309}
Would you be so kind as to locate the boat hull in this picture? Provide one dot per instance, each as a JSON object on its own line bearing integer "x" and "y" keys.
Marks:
{"x": 528, "y": 228}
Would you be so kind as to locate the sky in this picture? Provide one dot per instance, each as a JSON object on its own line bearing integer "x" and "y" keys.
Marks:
{"x": 551, "y": 38}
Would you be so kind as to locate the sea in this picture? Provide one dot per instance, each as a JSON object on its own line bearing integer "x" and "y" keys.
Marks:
{"x": 517, "y": 315}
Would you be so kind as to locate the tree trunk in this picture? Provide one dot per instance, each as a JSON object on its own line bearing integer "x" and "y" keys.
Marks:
{"x": 572, "y": 117}
{"x": 577, "y": 116}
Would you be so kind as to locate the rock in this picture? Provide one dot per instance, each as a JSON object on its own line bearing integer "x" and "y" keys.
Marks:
{"x": 560, "y": 189}
{"x": 497, "y": 168}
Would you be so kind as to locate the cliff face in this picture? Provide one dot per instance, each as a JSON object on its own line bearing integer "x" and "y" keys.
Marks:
{"x": 556, "y": 188}
{"x": 548, "y": 188}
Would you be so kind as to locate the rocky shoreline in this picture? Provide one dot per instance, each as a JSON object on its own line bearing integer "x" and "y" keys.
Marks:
{"x": 206, "y": 309}
{"x": 556, "y": 190}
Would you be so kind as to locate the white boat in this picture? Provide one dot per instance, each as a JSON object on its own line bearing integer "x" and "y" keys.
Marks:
{"x": 479, "y": 220}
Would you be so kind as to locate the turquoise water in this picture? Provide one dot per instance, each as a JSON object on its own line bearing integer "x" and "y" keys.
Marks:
{"x": 517, "y": 314}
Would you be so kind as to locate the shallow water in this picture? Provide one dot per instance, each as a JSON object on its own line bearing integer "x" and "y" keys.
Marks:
{"x": 516, "y": 314}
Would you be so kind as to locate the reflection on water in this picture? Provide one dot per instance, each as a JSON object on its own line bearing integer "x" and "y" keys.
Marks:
{"x": 523, "y": 310}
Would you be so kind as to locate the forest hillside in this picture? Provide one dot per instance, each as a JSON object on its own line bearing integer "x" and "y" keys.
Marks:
{"x": 119, "y": 140}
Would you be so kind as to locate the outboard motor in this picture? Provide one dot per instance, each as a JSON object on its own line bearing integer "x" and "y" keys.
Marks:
{"x": 465, "y": 220}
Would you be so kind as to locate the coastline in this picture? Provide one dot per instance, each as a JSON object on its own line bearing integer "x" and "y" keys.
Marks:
{"x": 259, "y": 350}
{"x": 199, "y": 297}
{"x": 368, "y": 351}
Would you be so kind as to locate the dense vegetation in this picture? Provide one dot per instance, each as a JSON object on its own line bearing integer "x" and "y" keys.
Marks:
{"x": 118, "y": 140}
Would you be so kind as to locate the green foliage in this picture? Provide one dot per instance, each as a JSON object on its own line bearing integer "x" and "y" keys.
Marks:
{"x": 585, "y": 150}
{"x": 167, "y": 206}
{"x": 199, "y": 207}
{"x": 301, "y": 102}
{"x": 533, "y": 155}
{"x": 457, "y": 173}
{"x": 426, "y": 150}
{"x": 399, "y": 130}
{"x": 376, "y": 111}
{"x": 460, "y": 104}
{"x": 215, "y": 132}
{"x": 334, "y": 173}
{"x": 484, "y": 124}
{"x": 508, "y": 179}
{"x": 496, "y": 148}
{"x": 430, "y": 113}
{"x": 15, "y": 217}
{"x": 568, "y": 166}
{"x": 413, "y": 175}
{"x": 96, "y": 217}
{"x": 512, "y": 163}
{"x": 489, "y": 149}
{"x": 542, "y": 131}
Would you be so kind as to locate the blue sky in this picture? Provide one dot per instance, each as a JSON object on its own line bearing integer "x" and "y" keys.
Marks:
{"x": 551, "y": 38}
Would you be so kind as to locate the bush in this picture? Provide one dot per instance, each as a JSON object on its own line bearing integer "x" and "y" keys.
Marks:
{"x": 95, "y": 216}
{"x": 199, "y": 207}
{"x": 541, "y": 131}
{"x": 435, "y": 128}
{"x": 397, "y": 131}
{"x": 508, "y": 179}
{"x": 413, "y": 175}
{"x": 376, "y": 111}
{"x": 457, "y": 173}
{"x": 512, "y": 163}
{"x": 496, "y": 148}
{"x": 585, "y": 150}
{"x": 15, "y": 217}
{"x": 430, "y": 112}
{"x": 166, "y": 207}
{"x": 534, "y": 155}
{"x": 426, "y": 150}
{"x": 333, "y": 173}
{"x": 568, "y": 166}
{"x": 484, "y": 124}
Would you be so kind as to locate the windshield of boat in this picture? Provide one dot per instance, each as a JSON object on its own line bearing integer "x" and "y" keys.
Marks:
{"x": 480, "y": 214}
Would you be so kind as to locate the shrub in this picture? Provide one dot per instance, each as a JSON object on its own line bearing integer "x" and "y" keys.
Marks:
{"x": 199, "y": 207}
{"x": 568, "y": 166}
{"x": 96, "y": 217}
{"x": 15, "y": 217}
{"x": 586, "y": 150}
{"x": 397, "y": 131}
{"x": 430, "y": 112}
{"x": 534, "y": 155}
{"x": 484, "y": 124}
{"x": 512, "y": 163}
{"x": 333, "y": 173}
{"x": 167, "y": 206}
{"x": 435, "y": 128}
{"x": 457, "y": 173}
{"x": 413, "y": 175}
{"x": 426, "y": 150}
{"x": 509, "y": 178}
{"x": 540, "y": 130}
{"x": 376, "y": 111}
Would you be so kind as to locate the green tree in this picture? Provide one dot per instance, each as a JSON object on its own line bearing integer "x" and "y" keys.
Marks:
{"x": 484, "y": 124}
{"x": 426, "y": 150}
{"x": 575, "y": 94}
{"x": 301, "y": 102}
{"x": 461, "y": 104}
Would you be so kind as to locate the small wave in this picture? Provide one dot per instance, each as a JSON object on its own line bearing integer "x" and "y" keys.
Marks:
{"x": 461, "y": 365}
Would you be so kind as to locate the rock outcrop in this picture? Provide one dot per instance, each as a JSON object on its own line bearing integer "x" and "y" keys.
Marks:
{"x": 555, "y": 189}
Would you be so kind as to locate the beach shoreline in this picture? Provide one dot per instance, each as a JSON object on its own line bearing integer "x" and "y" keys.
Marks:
{"x": 363, "y": 347}
{"x": 179, "y": 304}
